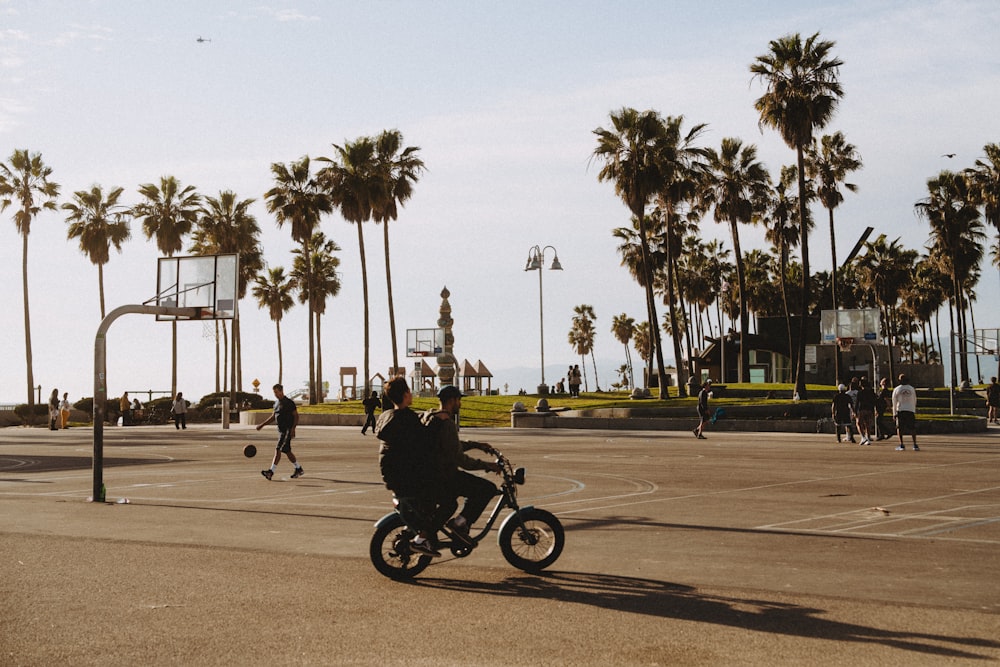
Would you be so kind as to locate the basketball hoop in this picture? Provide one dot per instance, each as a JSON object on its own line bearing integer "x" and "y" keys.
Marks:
{"x": 845, "y": 344}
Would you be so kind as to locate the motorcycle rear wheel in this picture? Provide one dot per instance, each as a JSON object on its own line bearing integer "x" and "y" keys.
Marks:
{"x": 534, "y": 542}
{"x": 390, "y": 551}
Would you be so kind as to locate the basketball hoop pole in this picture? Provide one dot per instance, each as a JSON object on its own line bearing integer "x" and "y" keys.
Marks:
{"x": 100, "y": 377}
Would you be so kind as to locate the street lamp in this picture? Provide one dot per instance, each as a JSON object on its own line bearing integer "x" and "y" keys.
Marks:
{"x": 536, "y": 260}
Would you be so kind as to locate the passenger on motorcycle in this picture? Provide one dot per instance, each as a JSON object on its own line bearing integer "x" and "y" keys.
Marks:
{"x": 405, "y": 464}
{"x": 449, "y": 460}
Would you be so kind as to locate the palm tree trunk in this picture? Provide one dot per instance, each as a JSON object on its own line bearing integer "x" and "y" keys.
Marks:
{"x": 364, "y": 292}
{"x": 306, "y": 254}
{"x": 672, "y": 308}
{"x": 388, "y": 286}
{"x": 319, "y": 358}
{"x": 784, "y": 300}
{"x": 979, "y": 369}
{"x": 744, "y": 315}
{"x": 27, "y": 318}
{"x": 281, "y": 367}
{"x": 654, "y": 326}
{"x": 800, "y": 364}
{"x": 951, "y": 343}
{"x": 234, "y": 349}
{"x": 583, "y": 365}
{"x": 593, "y": 360}
{"x": 100, "y": 287}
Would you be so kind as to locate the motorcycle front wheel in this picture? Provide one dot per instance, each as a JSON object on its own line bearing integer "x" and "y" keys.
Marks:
{"x": 532, "y": 540}
{"x": 390, "y": 550}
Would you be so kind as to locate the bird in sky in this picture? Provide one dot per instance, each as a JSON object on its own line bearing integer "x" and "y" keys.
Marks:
{"x": 202, "y": 40}
{"x": 948, "y": 155}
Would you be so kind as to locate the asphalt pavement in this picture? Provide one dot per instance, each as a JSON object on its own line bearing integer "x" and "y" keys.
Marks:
{"x": 745, "y": 548}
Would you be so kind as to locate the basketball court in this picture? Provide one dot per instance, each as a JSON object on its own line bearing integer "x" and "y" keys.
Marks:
{"x": 748, "y": 548}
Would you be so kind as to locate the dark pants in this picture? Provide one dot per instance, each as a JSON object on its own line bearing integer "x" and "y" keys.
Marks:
{"x": 180, "y": 420}
{"x": 369, "y": 422}
{"x": 477, "y": 492}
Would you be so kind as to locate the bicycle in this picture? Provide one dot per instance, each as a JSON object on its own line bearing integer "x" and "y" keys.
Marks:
{"x": 530, "y": 538}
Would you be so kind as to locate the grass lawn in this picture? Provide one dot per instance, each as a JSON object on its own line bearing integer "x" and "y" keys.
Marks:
{"x": 494, "y": 411}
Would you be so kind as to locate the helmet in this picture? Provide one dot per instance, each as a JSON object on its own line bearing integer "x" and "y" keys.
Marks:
{"x": 841, "y": 388}
{"x": 449, "y": 391}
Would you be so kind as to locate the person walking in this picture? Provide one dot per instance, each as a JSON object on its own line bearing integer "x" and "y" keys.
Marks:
{"x": 287, "y": 416}
{"x": 64, "y": 408}
{"x": 54, "y": 410}
{"x": 842, "y": 411}
{"x": 370, "y": 404}
{"x": 993, "y": 401}
{"x": 904, "y": 409}
{"x": 865, "y": 410}
{"x": 703, "y": 412}
{"x": 179, "y": 410}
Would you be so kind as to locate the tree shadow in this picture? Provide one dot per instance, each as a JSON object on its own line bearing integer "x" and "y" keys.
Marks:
{"x": 667, "y": 600}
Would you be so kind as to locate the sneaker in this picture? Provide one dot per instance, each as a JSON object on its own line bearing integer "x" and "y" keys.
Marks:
{"x": 866, "y": 441}
{"x": 695, "y": 431}
{"x": 915, "y": 448}
{"x": 701, "y": 437}
{"x": 461, "y": 532}
{"x": 267, "y": 474}
{"x": 900, "y": 449}
{"x": 425, "y": 548}
{"x": 298, "y": 472}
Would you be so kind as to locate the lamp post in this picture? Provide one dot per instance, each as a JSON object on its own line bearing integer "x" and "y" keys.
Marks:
{"x": 536, "y": 261}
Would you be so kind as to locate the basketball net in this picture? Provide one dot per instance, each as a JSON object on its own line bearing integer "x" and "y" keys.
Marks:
{"x": 845, "y": 344}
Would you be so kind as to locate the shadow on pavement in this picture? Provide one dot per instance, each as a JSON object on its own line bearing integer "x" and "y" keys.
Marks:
{"x": 35, "y": 463}
{"x": 667, "y": 600}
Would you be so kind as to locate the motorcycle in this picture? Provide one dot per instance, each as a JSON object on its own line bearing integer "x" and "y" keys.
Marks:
{"x": 530, "y": 538}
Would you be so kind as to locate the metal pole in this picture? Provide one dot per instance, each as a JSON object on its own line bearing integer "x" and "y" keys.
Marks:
{"x": 541, "y": 324}
{"x": 100, "y": 379}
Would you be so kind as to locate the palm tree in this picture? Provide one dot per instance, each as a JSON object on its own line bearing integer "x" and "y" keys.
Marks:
{"x": 353, "y": 184}
{"x": 829, "y": 164}
{"x": 783, "y": 233}
{"x": 25, "y": 183}
{"x": 168, "y": 213}
{"x": 623, "y": 326}
{"x": 802, "y": 94}
{"x": 399, "y": 169}
{"x": 643, "y": 341}
{"x": 274, "y": 292}
{"x": 317, "y": 279}
{"x": 958, "y": 239}
{"x": 583, "y": 325}
{"x": 985, "y": 177}
{"x": 227, "y": 226}
{"x": 883, "y": 271}
{"x": 629, "y": 151}
{"x": 681, "y": 170}
{"x": 737, "y": 187}
{"x": 99, "y": 222}
{"x": 299, "y": 200}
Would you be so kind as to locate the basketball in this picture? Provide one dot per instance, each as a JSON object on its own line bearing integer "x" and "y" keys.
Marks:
{"x": 249, "y": 451}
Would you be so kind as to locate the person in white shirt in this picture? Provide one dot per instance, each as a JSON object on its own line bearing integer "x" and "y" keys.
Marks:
{"x": 904, "y": 409}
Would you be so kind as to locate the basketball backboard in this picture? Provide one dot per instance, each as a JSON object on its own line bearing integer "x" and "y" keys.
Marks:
{"x": 861, "y": 324}
{"x": 424, "y": 342}
{"x": 205, "y": 282}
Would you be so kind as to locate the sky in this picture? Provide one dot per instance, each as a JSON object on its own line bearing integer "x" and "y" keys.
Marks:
{"x": 501, "y": 98}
